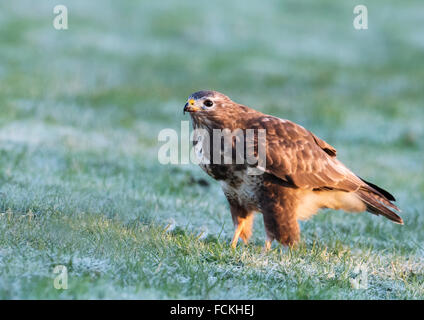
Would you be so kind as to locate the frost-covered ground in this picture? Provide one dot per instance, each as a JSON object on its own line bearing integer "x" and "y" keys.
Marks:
{"x": 80, "y": 112}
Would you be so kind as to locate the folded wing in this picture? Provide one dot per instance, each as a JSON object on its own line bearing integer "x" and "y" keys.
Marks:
{"x": 300, "y": 158}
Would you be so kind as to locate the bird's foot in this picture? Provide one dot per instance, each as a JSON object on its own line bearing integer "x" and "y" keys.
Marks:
{"x": 267, "y": 245}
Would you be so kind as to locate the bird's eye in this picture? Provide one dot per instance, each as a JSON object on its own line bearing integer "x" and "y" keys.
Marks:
{"x": 208, "y": 103}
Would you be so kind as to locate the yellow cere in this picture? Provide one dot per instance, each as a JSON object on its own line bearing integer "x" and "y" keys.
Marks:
{"x": 191, "y": 101}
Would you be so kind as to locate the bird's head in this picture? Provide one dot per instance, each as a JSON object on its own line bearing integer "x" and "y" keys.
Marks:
{"x": 212, "y": 109}
{"x": 205, "y": 102}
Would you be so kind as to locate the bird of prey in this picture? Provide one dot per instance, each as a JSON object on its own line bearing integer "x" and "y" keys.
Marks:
{"x": 302, "y": 173}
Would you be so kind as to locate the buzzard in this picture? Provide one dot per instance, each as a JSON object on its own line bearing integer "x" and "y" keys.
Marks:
{"x": 302, "y": 173}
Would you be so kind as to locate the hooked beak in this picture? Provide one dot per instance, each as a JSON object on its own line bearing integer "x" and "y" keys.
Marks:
{"x": 190, "y": 107}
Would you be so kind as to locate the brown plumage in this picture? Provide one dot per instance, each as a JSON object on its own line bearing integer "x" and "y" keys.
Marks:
{"x": 302, "y": 173}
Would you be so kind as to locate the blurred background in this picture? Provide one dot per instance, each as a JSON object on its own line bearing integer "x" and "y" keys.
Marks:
{"x": 81, "y": 109}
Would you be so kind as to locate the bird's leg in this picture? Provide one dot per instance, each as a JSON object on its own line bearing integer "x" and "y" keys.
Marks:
{"x": 237, "y": 232}
{"x": 243, "y": 222}
{"x": 281, "y": 225}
